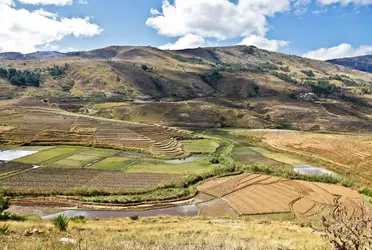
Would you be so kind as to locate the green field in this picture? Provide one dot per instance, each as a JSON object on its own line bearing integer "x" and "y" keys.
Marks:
{"x": 47, "y": 154}
{"x": 83, "y": 158}
{"x": 200, "y": 166}
{"x": 112, "y": 163}
{"x": 200, "y": 146}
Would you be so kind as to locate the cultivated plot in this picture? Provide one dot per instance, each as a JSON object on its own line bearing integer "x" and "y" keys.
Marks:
{"x": 250, "y": 194}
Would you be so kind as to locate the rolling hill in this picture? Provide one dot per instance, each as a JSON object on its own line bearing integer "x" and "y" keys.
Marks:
{"x": 362, "y": 63}
{"x": 238, "y": 86}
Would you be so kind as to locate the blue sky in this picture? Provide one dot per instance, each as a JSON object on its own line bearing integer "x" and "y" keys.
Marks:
{"x": 320, "y": 29}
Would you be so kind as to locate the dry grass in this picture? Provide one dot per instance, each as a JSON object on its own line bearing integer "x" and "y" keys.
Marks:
{"x": 168, "y": 233}
{"x": 351, "y": 153}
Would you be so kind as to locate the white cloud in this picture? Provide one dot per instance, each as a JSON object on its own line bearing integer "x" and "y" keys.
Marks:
{"x": 23, "y": 30}
{"x": 264, "y": 43}
{"x": 154, "y": 12}
{"x": 340, "y": 51}
{"x": 220, "y": 19}
{"x": 186, "y": 42}
{"x": 345, "y": 2}
{"x": 47, "y": 2}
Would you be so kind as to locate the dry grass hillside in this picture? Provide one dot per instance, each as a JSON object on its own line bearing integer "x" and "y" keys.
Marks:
{"x": 266, "y": 87}
{"x": 168, "y": 233}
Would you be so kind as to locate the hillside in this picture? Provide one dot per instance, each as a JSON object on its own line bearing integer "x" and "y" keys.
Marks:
{"x": 236, "y": 86}
{"x": 362, "y": 63}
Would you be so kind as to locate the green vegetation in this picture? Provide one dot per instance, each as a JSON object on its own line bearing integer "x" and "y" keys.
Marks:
{"x": 47, "y": 155}
{"x": 57, "y": 71}
{"x": 192, "y": 60}
{"x": 269, "y": 66}
{"x": 61, "y": 223}
{"x": 4, "y": 229}
{"x": 200, "y": 166}
{"x": 79, "y": 219}
{"x": 344, "y": 79}
{"x": 211, "y": 78}
{"x": 324, "y": 88}
{"x": 308, "y": 73}
{"x": 285, "y": 77}
{"x": 112, "y": 163}
{"x": 81, "y": 159}
{"x": 200, "y": 146}
{"x": 21, "y": 77}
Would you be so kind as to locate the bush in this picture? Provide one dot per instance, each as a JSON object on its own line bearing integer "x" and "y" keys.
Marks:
{"x": 285, "y": 77}
{"x": 144, "y": 67}
{"x": 134, "y": 217}
{"x": 366, "y": 192}
{"x": 309, "y": 73}
{"x": 4, "y": 229}
{"x": 61, "y": 222}
{"x": 4, "y": 204}
{"x": 79, "y": 219}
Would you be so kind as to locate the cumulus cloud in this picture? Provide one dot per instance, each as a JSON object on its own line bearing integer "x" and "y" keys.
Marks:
{"x": 340, "y": 51}
{"x": 23, "y": 30}
{"x": 264, "y": 43}
{"x": 47, "y": 2}
{"x": 187, "y": 42}
{"x": 220, "y": 19}
{"x": 345, "y": 2}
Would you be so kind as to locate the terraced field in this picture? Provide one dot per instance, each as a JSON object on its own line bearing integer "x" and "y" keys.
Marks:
{"x": 44, "y": 126}
{"x": 67, "y": 180}
{"x": 350, "y": 153}
{"x": 251, "y": 194}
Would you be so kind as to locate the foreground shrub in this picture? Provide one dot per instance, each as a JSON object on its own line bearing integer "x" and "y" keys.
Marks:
{"x": 61, "y": 222}
{"x": 4, "y": 229}
{"x": 349, "y": 229}
{"x": 79, "y": 219}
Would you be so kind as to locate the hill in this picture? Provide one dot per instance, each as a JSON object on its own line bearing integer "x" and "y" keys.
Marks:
{"x": 238, "y": 86}
{"x": 362, "y": 63}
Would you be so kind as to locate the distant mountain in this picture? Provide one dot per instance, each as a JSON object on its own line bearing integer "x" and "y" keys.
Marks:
{"x": 362, "y": 63}
{"x": 39, "y": 55}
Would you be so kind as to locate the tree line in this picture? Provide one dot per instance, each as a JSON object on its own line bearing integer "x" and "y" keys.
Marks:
{"x": 21, "y": 77}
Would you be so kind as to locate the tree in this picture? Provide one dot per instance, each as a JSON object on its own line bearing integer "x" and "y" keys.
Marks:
{"x": 350, "y": 227}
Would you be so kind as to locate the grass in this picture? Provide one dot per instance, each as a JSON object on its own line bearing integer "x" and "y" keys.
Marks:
{"x": 46, "y": 155}
{"x": 81, "y": 159}
{"x": 200, "y": 166}
{"x": 169, "y": 233}
{"x": 112, "y": 163}
{"x": 200, "y": 146}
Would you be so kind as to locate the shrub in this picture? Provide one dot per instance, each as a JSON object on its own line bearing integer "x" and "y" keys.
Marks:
{"x": 309, "y": 73}
{"x": 134, "y": 217}
{"x": 79, "y": 219}
{"x": 285, "y": 77}
{"x": 4, "y": 204}
{"x": 144, "y": 67}
{"x": 61, "y": 222}
{"x": 4, "y": 229}
{"x": 366, "y": 192}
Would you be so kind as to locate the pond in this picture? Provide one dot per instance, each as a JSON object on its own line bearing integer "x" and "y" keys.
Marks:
{"x": 180, "y": 161}
{"x": 9, "y": 155}
{"x": 307, "y": 170}
{"x": 188, "y": 210}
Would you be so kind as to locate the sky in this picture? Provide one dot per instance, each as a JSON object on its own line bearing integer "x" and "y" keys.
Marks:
{"x": 318, "y": 29}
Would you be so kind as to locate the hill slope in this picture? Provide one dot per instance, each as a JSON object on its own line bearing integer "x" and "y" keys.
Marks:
{"x": 362, "y": 63}
{"x": 237, "y": 86}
